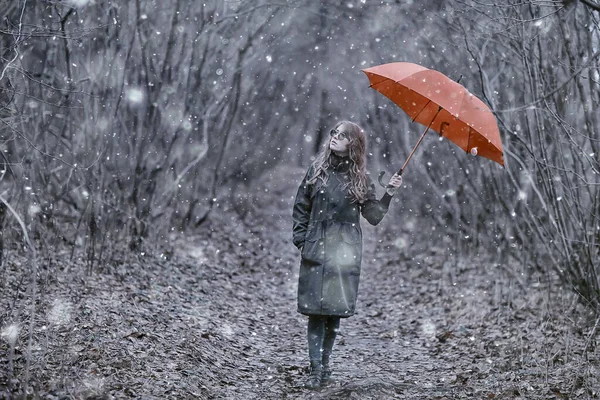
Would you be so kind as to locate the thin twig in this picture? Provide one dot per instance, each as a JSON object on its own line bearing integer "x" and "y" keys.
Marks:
{"x": 16, "y": 42}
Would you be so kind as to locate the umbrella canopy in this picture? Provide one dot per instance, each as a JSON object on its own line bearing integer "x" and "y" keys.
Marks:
{"x": 436, "y": 101}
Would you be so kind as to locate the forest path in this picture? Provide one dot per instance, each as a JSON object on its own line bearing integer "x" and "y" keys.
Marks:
{"x": 428, "y": 326}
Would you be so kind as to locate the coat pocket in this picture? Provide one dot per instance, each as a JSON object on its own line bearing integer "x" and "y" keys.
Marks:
{"x": 313, "y": 243}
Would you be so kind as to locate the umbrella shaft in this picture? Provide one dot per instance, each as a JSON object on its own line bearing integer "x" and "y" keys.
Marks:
{"x": 419, "y": 142}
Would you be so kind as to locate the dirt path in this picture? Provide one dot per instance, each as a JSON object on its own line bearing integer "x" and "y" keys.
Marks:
{"x": 217, "y": 320}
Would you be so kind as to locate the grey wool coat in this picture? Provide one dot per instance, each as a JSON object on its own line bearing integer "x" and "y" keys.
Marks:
{"x": 326, "y": 226}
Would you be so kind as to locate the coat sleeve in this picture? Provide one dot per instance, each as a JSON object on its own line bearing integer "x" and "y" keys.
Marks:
{"x": 301, "y": 212}
{"x": 372, "y": 209}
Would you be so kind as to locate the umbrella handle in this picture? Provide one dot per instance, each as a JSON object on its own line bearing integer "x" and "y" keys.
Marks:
{"x": 380, "y": 178}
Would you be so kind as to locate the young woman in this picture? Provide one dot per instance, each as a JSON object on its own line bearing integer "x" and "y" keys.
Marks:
{"x": 334, "y": 193}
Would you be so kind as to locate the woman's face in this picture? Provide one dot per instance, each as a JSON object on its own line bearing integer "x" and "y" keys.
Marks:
{"x": 340, "y": 140}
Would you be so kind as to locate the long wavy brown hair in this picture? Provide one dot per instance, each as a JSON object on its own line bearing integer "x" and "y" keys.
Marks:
{"x": 358, "y": 185}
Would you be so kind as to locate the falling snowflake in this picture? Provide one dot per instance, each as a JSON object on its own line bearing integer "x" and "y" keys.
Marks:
{"x": 79, "y": 3}
{"x": 134, "y": 95}
{"x": 60, "y": 313}
{"x": 10, "y": 334}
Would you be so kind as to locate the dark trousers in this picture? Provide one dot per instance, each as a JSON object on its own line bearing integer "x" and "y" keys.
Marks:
{"x": 322, "y": 330}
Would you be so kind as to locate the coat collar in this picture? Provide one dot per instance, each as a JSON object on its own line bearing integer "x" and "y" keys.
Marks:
{"x": 338, "y": 163}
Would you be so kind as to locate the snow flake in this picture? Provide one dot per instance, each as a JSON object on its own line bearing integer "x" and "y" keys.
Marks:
{"x": 34, "y": 210}
{"x": 60, "y": 313}
{"x": 428, "y": 328}
{"x": 79, "y": 3}
{"x": 10, "y": 333}
{"x": 134, "y": 95}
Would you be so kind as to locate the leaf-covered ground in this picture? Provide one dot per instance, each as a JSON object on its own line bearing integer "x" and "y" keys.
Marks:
{"x": 214, "y": 317}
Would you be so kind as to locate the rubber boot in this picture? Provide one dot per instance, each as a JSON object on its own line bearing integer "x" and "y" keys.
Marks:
{"x": 326, "y": 372}
{"x": 314, "y": 379}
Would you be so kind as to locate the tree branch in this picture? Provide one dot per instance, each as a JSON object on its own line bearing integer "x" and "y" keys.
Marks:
{"x": 591, "y": 4}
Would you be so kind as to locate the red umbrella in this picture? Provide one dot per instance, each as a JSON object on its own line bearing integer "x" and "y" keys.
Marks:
{"x": 441, "y": 104}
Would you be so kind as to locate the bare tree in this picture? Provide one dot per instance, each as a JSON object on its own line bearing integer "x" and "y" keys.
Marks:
{"x": 536, "y": 64}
